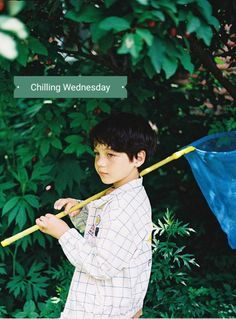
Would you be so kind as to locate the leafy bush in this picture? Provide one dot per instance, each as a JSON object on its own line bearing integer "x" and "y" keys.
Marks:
{"x": 179, "y": 57}
{"x": 174, "y": 292}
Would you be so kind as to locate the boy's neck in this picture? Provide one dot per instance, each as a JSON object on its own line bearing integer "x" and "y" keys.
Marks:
{"x": 133, "y": 175}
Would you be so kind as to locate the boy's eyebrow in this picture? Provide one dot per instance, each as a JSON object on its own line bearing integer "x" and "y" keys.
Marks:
{"x": 108, "y": 148}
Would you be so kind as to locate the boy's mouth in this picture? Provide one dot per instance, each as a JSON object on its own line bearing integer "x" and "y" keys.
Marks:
{"x": 102, "y": 173}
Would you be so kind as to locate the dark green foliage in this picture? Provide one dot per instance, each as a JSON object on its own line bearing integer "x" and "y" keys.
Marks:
{"x": 177, "y": 293}
{"x": 164, "y": 48}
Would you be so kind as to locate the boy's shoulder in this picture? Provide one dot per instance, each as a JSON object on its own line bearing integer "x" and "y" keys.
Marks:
{"x": 127, "y": 197}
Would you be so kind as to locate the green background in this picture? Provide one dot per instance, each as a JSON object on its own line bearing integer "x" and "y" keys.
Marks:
{"x": 179, "y": 59}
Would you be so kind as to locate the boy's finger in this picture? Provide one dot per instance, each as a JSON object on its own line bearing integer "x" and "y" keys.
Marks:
{"x": 40, "y": 221}
{"x": 75, "y": 213}
{"x": 49, "y": 215}
{"x": 69, "y": 206}
{"x": 60, "y": 203}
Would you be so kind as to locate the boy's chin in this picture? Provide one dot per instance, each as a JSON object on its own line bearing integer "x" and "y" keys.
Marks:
{"x": 106, "y": 181}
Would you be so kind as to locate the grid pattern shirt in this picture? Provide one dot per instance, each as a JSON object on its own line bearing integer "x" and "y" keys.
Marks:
{"x": 113, "y": 260}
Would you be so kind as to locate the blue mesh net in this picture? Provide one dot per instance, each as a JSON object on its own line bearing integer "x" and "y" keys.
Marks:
{"x": 214, "y": 167}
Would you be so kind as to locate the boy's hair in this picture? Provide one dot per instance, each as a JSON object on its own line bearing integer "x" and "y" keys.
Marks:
{"x": 125, "y": 132}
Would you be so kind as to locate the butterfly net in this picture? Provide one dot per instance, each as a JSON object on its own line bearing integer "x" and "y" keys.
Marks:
{"x": 213, "y": 164}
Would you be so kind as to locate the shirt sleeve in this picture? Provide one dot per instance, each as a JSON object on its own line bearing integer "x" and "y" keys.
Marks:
{"x": 112, "y": 252}
{"x": 80, "y": 220}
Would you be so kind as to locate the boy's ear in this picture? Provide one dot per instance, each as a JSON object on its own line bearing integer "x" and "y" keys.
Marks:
{"x": 140, "y": 158}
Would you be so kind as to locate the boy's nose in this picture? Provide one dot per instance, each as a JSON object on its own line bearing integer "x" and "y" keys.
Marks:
{"x": 101, "y": 162}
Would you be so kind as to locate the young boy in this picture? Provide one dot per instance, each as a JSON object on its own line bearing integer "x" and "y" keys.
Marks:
{"x": 113, "y": 259}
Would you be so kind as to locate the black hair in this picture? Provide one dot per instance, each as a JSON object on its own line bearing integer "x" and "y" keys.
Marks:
{"x": 125, "y": 132}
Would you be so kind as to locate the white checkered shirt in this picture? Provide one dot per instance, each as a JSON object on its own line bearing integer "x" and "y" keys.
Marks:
{"x": 113, "y": 259}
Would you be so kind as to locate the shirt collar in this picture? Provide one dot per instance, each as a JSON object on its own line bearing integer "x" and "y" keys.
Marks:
{"x": 135, "y": 183}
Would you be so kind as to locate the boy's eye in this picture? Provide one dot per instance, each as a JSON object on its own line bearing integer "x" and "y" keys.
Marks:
{"x": 110, "y": 154}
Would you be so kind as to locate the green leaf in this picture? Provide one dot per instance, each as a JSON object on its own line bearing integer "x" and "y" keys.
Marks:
{"x": 23, "y": 53}
{"x": 16, "y": 286}
{"x": 158, "y": 14}
{"x": 21, "y": 216}
{"x": 13, "y": 25}
{"x": 67, "y": 173}
{"x": 219, "y": 60}
{"x": 2, "y": 269}
{"x": 184, "y": 1}
{"x": 56, "y": 143}
{"x": 44, "y": 147}
{"x": 10, "y": 204}
{"x": 193, "y": 23}
{"x": 7, "y": 46}
{"x": 77, "y": 119}
{"x": 145, "y": 16}
{"x": 131, "y": 43}
{"x": 168, "y": 5}
{"x": 26, "y": 242}
{"x": 213, "y": 21}
{"x": 185, "y": 60}
{"x": 106, "y": 108}
{"x": 22, "y": 175}
{"x": 146, "y": 35}
{"x": 36, "y": 46}
{"x": 7, "y": 185}
{"x": 33, "y": 200}
{"x": 155, "y": 3}
{"x": 205, "y": 8}
{"x": 41, "y": 172}
{"x": 91, "y": 105}
{"x": 114, "y": 23}
{"x": 88, "y": 13}
{"x": 169, "y": 66}
{"x": 75, "y": 143}
{"x": 143, "y": 2}
{"x": 29, "y": 306}
{"x": 156, "y": 54}
{"x": 149, "y": 69}
{"x": 205, "y": 33}
{"x": 39, "y": 238}
{"x": 12, "y": 214}
{"x": 74, "y": 139}
{"x": 14, "y": 7}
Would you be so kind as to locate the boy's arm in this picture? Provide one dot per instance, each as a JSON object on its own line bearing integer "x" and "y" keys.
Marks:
{"x": 113, "y": 251}
{"x": 79, "y": 217}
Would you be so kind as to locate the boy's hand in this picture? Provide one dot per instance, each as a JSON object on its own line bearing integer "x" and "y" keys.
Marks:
{"x": 67, "y": 203}
{"x": 138, "y": 314}
{"x": 52, "y": 225}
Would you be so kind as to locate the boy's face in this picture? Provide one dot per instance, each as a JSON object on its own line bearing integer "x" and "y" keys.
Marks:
{"x": 114, "y": 167}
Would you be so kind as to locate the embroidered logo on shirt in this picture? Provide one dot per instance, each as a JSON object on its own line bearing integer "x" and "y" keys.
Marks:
{"x": 98, "y": 220}
{"x": 91, "y": 230}
{"x": 94, "y": 229}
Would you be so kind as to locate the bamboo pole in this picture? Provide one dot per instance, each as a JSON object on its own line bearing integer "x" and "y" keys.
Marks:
{"x": 151, "y": 168}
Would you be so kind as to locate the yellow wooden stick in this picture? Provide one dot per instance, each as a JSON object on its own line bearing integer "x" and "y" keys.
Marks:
{"x": 151, "y": 168}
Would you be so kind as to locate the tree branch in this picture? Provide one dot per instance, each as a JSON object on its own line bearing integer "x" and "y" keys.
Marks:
{"x": 95, "y": 58}
{"x": 206, "y": 58}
